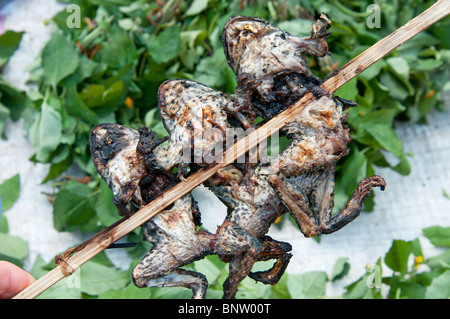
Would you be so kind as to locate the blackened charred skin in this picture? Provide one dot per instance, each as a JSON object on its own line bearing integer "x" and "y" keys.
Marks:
{"x": 154, "y": 185}
{"x": 287, "y": 89}
{"x": 346, "y": 103}
{"x": 113, "y": 149}
{"x": 242, "y": 104}
{"x": 145, "y": 147}
{"x": 106, "y": 140}
{"x": 274, "y": 60}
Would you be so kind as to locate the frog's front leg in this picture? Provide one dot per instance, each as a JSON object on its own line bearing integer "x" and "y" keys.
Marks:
{"x": 351, "y": 211}
{"x": 316, "y": 43}
{"x": 147, "y": 143}
{"x": 241, "y": 105}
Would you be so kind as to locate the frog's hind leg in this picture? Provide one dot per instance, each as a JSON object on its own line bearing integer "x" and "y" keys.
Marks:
{"x": 272, "y": 249}
{"x": 161, "y": 266}
{"x": 177, "y": 278}
{"x": 241, "y": 249}
{"x": 175, "y": 243}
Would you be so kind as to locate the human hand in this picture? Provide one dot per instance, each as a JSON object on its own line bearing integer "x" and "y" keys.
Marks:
{"x": 12, "y": 280}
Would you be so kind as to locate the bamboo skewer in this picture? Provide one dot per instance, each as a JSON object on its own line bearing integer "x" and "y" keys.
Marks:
{"x": 71, "y": 260}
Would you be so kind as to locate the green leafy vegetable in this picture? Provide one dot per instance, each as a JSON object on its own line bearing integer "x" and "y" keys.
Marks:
{"x": 397, "y": 257}
{"x": 310, "y": 285}
{"x": 439, "y": 236}
{"x": 439, "y": 287}
{"x": 341, "y": 268}
{"x": 59, "y": 59}
{"x": 9, "y": 42}
{"x": 74, "y": 206}
{"x": 166, "y": 45}
{"x": 9, "y": 192}
{"x": 13, "y": 249}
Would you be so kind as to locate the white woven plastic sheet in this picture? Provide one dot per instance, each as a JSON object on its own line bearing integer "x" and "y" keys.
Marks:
{"x": 408, "y": 204}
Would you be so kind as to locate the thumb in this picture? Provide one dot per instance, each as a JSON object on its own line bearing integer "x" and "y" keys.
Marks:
{"x": 13, "y": 279}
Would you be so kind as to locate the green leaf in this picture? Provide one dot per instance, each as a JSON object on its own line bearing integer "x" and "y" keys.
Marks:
{"x": 9, "y": 192}
{"x": 46, "y": 131}
{"x": 73, "y": 207}
{"x": 153, "y": 121}
{"x": 384, "y": 116}
{"x": 104, "y": 207}
{"x": 85, "y": 70}
{"x": 408, "y": 290}
{"x": 440, "y": 261}
{"x": 3, "y": 222}
{"x": 426, "y": 104}
{"x": 427, "y": 65}
{"x": 386, "y": 137}
{"x": 309, "y": 285}
{"x": 354, "y": 171}
{"x": 373, "y": 70}
{"x": 397, "y": 256}
{"x": 129, "y": 292}
{"x": 368, "y": 286}
{"x": 400, "y": 67}
{"x": 96, "y": 95}
{"x": 92, "y": 95}
{"x": 403, "y": 167}
{"x": 9, "y": 42}
{"x": 349, "y": 90}
{"x": 207, "y": 267}
{"x": 13, "y": 99}
{"x": 196, "y": 7}
{"x": 76, "y": 106}
{"x": 340, "y": 269}
{"x": 439, "y": 236}
{"x": 97, "y": 278}
{"x": 394, "y": 86}
{"x": 59, "y": 59}
{"x": 119, "y": 51}
{"x": 49, "y": 128}
{"x": 440, "y": 287}
{"x": 358, "y": 289}
{"x": 170, "y": 293}
{"x": 13, "y": 249}
{"x": 166, "y": 45}
{"x": 56, "y": 169}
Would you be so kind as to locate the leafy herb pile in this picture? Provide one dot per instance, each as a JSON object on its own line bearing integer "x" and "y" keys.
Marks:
{"x": 110, "y": 68}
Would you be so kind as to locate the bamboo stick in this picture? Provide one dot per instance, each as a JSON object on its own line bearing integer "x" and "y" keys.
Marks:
{"x": 69, "y": 263}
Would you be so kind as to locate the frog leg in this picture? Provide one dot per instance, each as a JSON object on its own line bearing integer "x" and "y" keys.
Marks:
{"x": 309, "y": 199}
{"x": 272, "y": 249}
{"x": 236, "y": 246}
{"x": 177, "y": 278}
{"x": 160, "y": 267}
{"x": 176, "y": 243}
